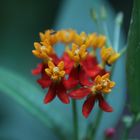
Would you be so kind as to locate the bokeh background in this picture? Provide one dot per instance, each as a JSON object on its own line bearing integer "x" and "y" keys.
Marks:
{"x": 20, "y": 23}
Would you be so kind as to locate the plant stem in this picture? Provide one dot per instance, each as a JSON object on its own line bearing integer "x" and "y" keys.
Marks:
{"x": 96, "y": 125}
{"x": 106, "y": 32}
{"x": 125, "y": 134}
{"x": 75, "y": 119}
{"x": 123, "y": 50}
{"x": 118, "y": 23}
{"x": 128, "y": 129}
{"x": 92, "y": 128}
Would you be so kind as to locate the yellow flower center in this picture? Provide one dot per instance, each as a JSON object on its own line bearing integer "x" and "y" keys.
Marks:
{"x": 103, "y": 84}
{"x": 43, "y": 48}
{"x": 77, "y": 53}
{"x": 55, "y": 72}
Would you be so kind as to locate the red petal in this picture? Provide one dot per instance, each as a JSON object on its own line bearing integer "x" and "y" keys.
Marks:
{"x": 90, "y": 62}
{"x": 69, "y": 66}
{"x": 68, "y": 63}
{"x": 62, "y": 95}
{"x": 80, "y": 93}
{"x": 73, "y": 80}
{"x": 91, "y": 67}
{"x": 51, "y": 94}
{"x": 103, "y": 104}
{"x": 88, "y": 106}
{"x": 84, "y": 78}
{"x": 38, "y": 70}
{"x": 69, "y": 84}
{"x": 74, "y": 74}
{"x": 97, "y": 70}
{"x": 56, "y": 60}
{"x": 44, "y": 82}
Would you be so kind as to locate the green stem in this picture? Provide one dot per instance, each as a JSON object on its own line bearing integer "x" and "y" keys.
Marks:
{"x": 127, "y": 130}
{"x": 123, "y": 51}
{"x": 113, "y": 66}
{"x": 106, "y": 33}
{"x": 92, "y": 128}
{"x": 91, "y": 134}
{"x": 119, "y": 20}
{"x": 96, "y": 125}
{"x": 125, "y": 134}
{"x": 75, "y": 120}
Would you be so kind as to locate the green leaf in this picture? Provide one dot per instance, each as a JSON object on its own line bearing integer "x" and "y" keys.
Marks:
{"x": 22, "y": 92}
{"x": 133, "y": 59}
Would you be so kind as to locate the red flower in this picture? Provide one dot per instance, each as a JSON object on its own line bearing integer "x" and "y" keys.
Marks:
{"x": 54, "y": 82}
{"x": 41, "y": 66}
{"x": 91, "y": 66}
{"x": 82, "y": 73}
{"x": 38, "y": 69}
{"x": 90, "y": 101}
{"x": 55, "y": 89}
{"x": 94, "y": 93}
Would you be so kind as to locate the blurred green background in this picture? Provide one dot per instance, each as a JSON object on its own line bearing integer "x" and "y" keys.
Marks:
{"x": 20, "y": 23}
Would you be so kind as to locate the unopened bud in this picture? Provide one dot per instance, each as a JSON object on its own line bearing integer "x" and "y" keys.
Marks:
{"x": 109, "y": 133}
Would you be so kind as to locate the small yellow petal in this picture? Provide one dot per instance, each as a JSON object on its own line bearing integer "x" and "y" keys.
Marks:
{"x": 84, "y": 55}
{"x": 61, "y": 65}
{"x": 98, "y": 79}
{"x": 101, "y": 41}
{"x": 74, "y": 47}
{"x": 98, "y": 87}
{"x": 55, "y": 77}
{"x": 36, "y": 53}
{"x": 106, "y": 90}
{"x": 51, "y": 65}
{"x": 42, "y": 36}
{"x": 113, "y": 58}
{"x": 48, "y": 71}
{"x": 37, "y": 45}
{"x": 106, "y": 76}
{"x": 61, "y": 73}
{"x": 76, "y": 58}
{"x": 111, "y": 84}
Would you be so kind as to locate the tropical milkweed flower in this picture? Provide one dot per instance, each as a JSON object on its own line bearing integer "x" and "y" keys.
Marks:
{"x": 101, "y": 85}
{"x": 77, "y": 73}
{"x": 108, "y": 55}
{"x": 54, "y": 81}
{"x": 42, "y": 50}
{"x": 55, "y": 72}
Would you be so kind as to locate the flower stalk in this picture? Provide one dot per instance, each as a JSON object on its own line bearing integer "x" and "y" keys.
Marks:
{"x": 75, "y": 120}
{"x": 77, "y": 67}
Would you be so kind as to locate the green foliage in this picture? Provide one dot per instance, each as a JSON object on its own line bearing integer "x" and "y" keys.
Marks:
{"x": 133, "y": 59}
{"x": 23, "y": 92}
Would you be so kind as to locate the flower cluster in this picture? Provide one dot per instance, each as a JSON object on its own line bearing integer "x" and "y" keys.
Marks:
{"x": 77, "y": 74}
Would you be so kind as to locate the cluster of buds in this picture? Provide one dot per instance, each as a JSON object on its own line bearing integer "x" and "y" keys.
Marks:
{"x": 77, "y": 74}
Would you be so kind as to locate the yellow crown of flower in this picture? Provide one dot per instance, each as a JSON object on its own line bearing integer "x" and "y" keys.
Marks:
{"x": 55, "y": 72}
{"x": 103, "y": 84}
{"x": 77, "y": 53}
{"x": 42, "y": 50}
{"x": 95, "y": 41}
{"x": 108, "y": 55}
{"x": 48, "y": 39}
{"x": 49, "y": 36}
